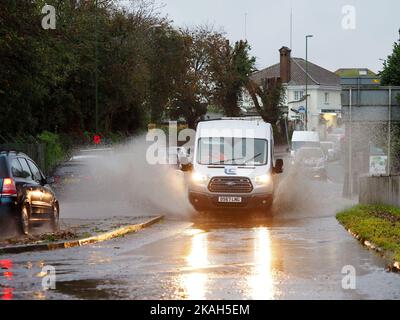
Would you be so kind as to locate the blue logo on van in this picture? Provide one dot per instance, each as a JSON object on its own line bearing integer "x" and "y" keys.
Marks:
{"x": 231, "y": 171}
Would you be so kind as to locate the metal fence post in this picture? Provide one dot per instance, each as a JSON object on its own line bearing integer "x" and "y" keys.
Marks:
{"x": 390, "y": 146}
{"x": 350, "y": 143}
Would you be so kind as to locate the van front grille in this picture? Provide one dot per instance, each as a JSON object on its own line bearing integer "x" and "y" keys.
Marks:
{"x": 230, "y": 185}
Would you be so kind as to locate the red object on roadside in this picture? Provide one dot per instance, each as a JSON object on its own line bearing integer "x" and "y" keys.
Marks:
{"x": 7, "y": 294}
{"x": 97, "y": 139}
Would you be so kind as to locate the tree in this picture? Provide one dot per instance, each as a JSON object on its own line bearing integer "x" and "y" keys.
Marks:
{"x": 193, "y": 90}
{"x": 231, "y": 67}
{"x": 145, "y": 68}
{"x": 267, "y": 98}
{"x": 390, "y": 75}
{"x": 165, "y": 61}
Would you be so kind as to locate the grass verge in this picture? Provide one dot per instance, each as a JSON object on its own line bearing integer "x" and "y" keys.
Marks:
{"x": 378, "y": 224}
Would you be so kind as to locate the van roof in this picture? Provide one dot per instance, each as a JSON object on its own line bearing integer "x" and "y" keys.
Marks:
{"x": 236, "y": 128}
{"x": 311, "y": 136}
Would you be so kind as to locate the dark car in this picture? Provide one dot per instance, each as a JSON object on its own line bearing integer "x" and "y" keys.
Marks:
{"x": 78, "y": 178}
{"x": 25, "y": 193}
{"x": 312, "y": 162}
{"x": 72, "y": 176}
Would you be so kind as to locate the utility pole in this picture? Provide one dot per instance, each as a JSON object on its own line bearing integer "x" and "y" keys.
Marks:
{"x": 291, "y": 28}
{"x": 307, "y": 36}
{"x": 96, "y": 71}
{"x": 245, "y": 26}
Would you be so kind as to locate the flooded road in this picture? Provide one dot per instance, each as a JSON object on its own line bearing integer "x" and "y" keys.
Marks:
{"x": 296, "y": 254}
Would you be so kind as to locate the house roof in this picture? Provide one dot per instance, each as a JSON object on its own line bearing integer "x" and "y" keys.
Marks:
{"x": 355, "y": 72}
{"x": 316, "y": 74}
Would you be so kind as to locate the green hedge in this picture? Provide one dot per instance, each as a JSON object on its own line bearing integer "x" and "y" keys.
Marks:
{"x": 55, "y": 153}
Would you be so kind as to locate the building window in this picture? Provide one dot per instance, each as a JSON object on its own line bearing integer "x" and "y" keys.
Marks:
{"x": 326, "y": 98}
{"x": 298, "y": 95}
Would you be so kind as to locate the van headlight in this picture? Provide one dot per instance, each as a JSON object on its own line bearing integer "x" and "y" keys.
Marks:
{"x": 263, "y": 180}
{"x": 199, "y": 178}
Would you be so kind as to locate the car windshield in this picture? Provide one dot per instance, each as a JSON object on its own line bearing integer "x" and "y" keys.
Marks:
{"x": 310, "y": 153}
{"x": 233, "y": 151}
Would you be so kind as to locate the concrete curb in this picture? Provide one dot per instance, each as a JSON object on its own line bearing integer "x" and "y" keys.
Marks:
{"x": 81, "y": 242}
{"x": 393, "y": 266}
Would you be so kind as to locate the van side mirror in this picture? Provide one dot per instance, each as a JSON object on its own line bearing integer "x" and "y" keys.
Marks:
{"x": 278, "y": 166}
{"x": 184, "y": 160}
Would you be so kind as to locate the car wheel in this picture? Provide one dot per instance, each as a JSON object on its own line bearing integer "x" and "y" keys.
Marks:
{"x": 55, "y": 219}
{"x": 25, "y": 213}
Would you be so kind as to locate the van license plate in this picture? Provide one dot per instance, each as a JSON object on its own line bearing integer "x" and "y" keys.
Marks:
{"x": 230, "y": 199}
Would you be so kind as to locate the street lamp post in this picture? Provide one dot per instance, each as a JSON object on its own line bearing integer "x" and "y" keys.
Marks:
{"x": 96, "y": 72}
{"x": 307, "y": 36}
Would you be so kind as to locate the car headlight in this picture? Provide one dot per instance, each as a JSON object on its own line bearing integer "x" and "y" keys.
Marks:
{"x": 199, "y": 178}
{"x": 263, "y": 180}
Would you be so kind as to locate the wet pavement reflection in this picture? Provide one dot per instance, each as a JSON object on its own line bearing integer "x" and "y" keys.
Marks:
{"x": 221, "y": 255}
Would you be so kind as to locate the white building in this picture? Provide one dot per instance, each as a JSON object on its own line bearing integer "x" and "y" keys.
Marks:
{"x": 324, "y": 91}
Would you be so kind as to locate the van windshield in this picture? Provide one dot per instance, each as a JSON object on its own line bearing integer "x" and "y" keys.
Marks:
{"x": 297, "y": 145}
{"x": 232, "y": 151}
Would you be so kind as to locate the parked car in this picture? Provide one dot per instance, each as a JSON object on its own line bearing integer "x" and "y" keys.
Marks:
{"x": 25, "y": 193}
{"x": 336, "y": 135}
{"x": 330, "y": 150}
{"x": 303, "y": 139}
{"x": 70, "y": 174}
{"x": 312, "y": 162}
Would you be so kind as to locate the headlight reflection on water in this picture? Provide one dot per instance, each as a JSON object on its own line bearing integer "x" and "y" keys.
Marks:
{"x": 261, "y": 280}
{"x": 195, "y": 281}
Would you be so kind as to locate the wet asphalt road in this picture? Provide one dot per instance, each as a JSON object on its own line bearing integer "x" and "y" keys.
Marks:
{"x": 296, "y": 253}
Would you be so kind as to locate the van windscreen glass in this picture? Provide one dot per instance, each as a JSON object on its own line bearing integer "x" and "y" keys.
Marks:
{"x": 232, "y": 151}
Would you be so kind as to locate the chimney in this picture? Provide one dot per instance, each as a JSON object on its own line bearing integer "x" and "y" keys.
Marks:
{"x": 285, "y": 64}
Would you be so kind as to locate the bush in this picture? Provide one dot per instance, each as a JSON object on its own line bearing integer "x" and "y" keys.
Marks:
{"x": 54, "y": 149}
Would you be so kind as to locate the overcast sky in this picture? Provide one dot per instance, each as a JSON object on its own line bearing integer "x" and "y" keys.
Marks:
{"x": 268, "y": 27}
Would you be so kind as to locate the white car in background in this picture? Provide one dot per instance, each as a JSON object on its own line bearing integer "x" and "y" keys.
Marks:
{"x": 311, "y": 162}
{"x": 303, "y": 139}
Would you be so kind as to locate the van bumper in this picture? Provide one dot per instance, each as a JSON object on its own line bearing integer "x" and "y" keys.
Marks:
{"x": 207, "y": 201}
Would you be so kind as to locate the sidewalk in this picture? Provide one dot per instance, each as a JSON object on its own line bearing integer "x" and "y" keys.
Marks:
{"x": 78, "y": 232}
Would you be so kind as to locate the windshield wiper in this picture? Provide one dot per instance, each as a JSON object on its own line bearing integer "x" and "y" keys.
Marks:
{"x": 223, "y": 161}
{"x": 235, "y": 159}
{"x": 256, "y": 156}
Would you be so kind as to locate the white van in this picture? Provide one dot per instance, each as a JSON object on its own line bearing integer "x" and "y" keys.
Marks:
{"x": 233, "y": 165}
{"x": 304, "y": 139}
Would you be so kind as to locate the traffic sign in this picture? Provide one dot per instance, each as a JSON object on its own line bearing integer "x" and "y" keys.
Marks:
{"x": 97, "y": 139}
